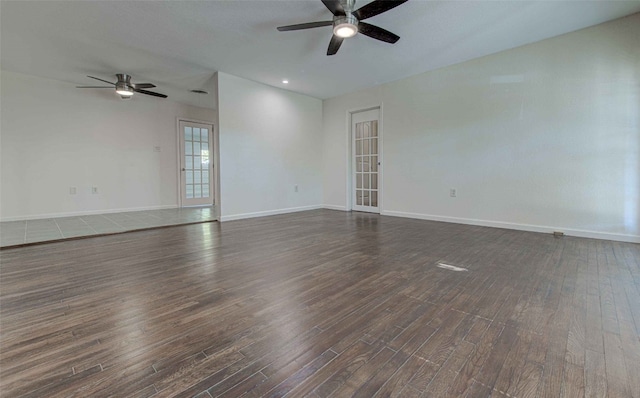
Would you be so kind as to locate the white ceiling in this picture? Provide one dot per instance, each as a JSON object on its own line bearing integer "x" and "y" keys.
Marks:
{"x": 180, "y": 45}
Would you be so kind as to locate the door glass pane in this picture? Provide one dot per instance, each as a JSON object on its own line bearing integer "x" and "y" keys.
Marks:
{"x": 358, "y": 180}
{"x": 374, "y": 128}
{"x": 374, "y": 181}
{"x": 374, "y": 198}
{"x": 358, "y": 130}
{"x": 359, "y": 198}
{"x": 374, "y": 163}
{"x": 365, "y": 180}
{"x": 205, "y": 157}
{"x": 365, "y": 163}
{"x": 366, "y": 129}
{"x": 374, "y": 146}
{"x": 365, "y": 147}
{"x": 196, "y": 173}
{"x": 358, "y": 164}
{"x": 358, "y": 147}
{"x": 365, "y": 198}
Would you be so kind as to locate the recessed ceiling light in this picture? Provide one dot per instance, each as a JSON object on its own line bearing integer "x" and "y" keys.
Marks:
{"x": 285, "y": 81}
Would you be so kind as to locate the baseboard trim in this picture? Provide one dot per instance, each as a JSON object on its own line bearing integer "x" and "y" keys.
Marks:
{"x": 86, "y": 213}
{"x": 520, "y": 227}
{"x": 334, "y": 207}
{"x": 266, "y": 213}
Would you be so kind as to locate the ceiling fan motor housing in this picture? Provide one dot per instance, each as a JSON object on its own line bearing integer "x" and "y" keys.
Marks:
{"x": 348, "y": 5}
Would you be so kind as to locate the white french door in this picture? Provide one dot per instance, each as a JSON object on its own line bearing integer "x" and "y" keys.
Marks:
{"x": 365, "y": 161}
{"x": 196, "y": 164}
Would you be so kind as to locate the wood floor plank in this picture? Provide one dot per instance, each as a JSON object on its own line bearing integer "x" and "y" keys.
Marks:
{"x": 617, "y": 383}
{"x": 397, "y": 383}
{"x": 284, "y": 387}
{"x": 471, "y": 370}
{"x": 510, "y": 374}
{"x": 441, "y": 382}
{"x": 595, "y": 378}
{"x": 348, "y": 385}
{"x": 529, "y": 380}
{"x": 573, "y": 383}
{"x": 494, "y": 363}
{"x": 321, "y": 303}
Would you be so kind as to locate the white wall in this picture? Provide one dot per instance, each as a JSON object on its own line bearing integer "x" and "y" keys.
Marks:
{"x": 270, "y": 141}
{"x": 543, "y": 137}
{"x": 54, "y": 136}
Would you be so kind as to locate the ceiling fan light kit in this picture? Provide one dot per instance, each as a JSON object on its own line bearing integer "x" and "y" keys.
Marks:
{"x": 124, "y": 91}
{"x": 346, "y": 26}
{"x": 347, "y": 22}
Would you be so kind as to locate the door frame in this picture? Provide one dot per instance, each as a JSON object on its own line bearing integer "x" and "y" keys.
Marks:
{"x": 349, "y": 156}
{"x": 215, "y": 140}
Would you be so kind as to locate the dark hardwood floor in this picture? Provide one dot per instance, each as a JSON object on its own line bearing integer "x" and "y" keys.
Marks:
{"x": 321, "y": 303}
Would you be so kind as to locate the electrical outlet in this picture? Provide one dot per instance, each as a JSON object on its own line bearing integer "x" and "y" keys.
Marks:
{"x": 295, "y": 188}
{"x": 452, "y": 192}
{"x": 72, "y": 190}
{"x": 94, "y": 190}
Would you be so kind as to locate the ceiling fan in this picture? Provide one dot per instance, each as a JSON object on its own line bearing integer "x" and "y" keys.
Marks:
{"x": 347, "y": 22}
{"x": 125, "y": 88}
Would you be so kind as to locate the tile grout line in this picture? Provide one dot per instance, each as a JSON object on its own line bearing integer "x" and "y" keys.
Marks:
{"x": 112, "y": 221}
{"x": 87, "y": 224}
{"x": 59, "y": 229}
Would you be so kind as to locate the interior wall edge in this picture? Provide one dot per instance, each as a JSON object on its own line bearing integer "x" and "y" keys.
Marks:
{"x": 515, "y": 226}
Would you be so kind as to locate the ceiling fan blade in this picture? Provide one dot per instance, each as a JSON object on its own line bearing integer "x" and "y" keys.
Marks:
{"x": 334, "y": 6}
{"x": 94, "y": 87}
{"x": 376, "y": 7}
{"x": 137, "y": 90}
{"x": 308, "y": 25}
{"x": 101, "y": 80}
{"x": 377, "y": 33}
{"x": 334, "y": 45}
{"x": 144, "y": 85}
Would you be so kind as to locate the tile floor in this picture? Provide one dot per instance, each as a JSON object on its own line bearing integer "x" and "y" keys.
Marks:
{"x": 31, "y": 231}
